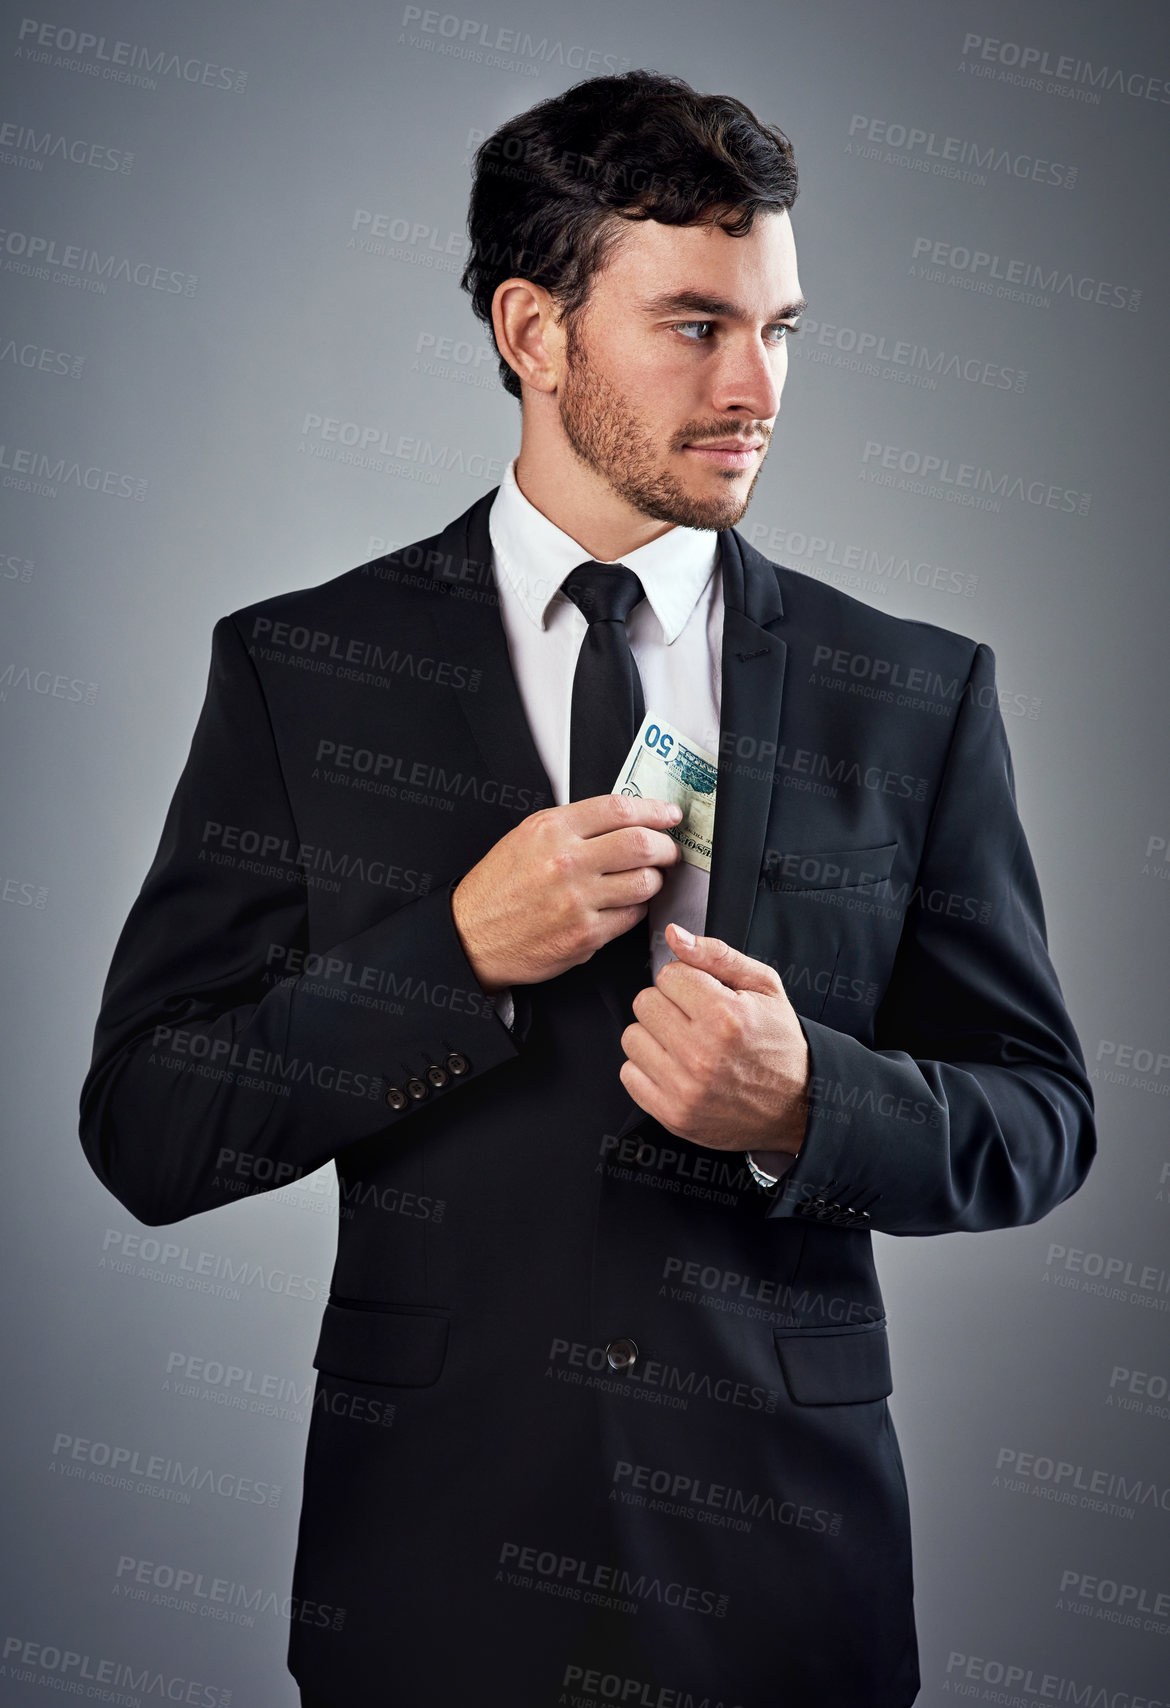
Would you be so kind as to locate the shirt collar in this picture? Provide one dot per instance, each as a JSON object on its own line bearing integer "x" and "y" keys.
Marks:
{"x": 536, "y": 556}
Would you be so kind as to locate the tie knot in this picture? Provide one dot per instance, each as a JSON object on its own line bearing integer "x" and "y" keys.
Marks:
{"x": 603, "y": 592}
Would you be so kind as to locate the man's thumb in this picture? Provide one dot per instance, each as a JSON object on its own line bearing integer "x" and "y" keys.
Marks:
{"x": 730, "y": 966}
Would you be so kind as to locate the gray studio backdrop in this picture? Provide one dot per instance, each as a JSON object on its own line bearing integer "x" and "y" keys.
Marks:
{"x": 235, "y": 359}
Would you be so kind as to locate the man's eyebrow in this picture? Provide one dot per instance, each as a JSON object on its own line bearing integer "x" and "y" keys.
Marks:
{"x": 696, "y": 302}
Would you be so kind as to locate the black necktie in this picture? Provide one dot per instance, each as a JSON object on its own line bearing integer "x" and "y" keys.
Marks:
{"x": 608, "y": 706}
{"x": 607, "y": 711}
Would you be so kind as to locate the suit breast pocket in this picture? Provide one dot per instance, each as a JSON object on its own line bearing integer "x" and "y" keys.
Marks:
{"x": 798, "y": 873}
{"x": 822, "y": 919}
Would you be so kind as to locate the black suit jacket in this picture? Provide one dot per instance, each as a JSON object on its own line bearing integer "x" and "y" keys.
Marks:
{"x": 587, "y": 1398}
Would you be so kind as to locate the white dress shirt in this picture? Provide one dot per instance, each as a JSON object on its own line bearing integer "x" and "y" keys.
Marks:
{"x": 676, "y": 637}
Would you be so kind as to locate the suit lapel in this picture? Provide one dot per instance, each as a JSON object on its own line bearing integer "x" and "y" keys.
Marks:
{"x": 752, "y": 668}
{"x": 472, "y": 632}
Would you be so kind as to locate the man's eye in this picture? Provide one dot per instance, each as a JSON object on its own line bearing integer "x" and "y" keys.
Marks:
{"x": 780, "y": 327}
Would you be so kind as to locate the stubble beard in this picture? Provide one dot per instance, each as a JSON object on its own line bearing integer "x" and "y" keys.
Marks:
{"x": 608, "y": 437}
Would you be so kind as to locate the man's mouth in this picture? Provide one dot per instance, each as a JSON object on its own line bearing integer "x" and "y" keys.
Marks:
{"x": 728, "y": 453}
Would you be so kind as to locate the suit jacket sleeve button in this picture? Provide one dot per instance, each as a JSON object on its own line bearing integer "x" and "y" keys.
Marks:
{"x": 457, "y": 1063}
{"x": 437, "y": 1075}
{"x": 396, "y": 1097}
{"x": 418, "y": 1088}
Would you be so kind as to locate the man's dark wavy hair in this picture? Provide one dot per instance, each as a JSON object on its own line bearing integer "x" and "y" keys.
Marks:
{"x": 552, "y": 187}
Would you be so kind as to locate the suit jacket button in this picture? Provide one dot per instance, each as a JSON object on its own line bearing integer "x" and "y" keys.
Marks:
{"x": 396, "y": 1097}
{"x": 437, "y": 1075}
{"x": 457, "y": 1063}
{"x": 418, "y": 1088}
{"x": 620, "y": 1354}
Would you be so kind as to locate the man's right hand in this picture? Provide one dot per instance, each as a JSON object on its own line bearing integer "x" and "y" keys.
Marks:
{"x": 563, "y": 882}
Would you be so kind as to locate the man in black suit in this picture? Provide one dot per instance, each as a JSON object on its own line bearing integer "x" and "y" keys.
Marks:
{"x": 611, "y": 1136}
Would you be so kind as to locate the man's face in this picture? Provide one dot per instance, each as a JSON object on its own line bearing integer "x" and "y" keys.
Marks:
{"x": 682, "y": 343}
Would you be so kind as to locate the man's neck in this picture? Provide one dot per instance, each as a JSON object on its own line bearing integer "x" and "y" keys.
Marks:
{"x": 582, "y": 506}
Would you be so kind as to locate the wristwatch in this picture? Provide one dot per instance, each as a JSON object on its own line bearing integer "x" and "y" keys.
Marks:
{"x": 758, "y": 1174}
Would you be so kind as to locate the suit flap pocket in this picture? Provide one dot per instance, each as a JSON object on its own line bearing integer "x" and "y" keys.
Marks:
{"x": 402, "y": 1348}
{"x": 835, "y": 1366}
{"x": 834, "y": 869}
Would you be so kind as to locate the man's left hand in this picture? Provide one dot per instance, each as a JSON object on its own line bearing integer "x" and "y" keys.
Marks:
{"x": 716, "y": 1053}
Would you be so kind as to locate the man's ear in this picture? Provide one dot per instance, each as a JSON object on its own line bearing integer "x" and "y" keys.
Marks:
{"x": 529, "y": 333}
